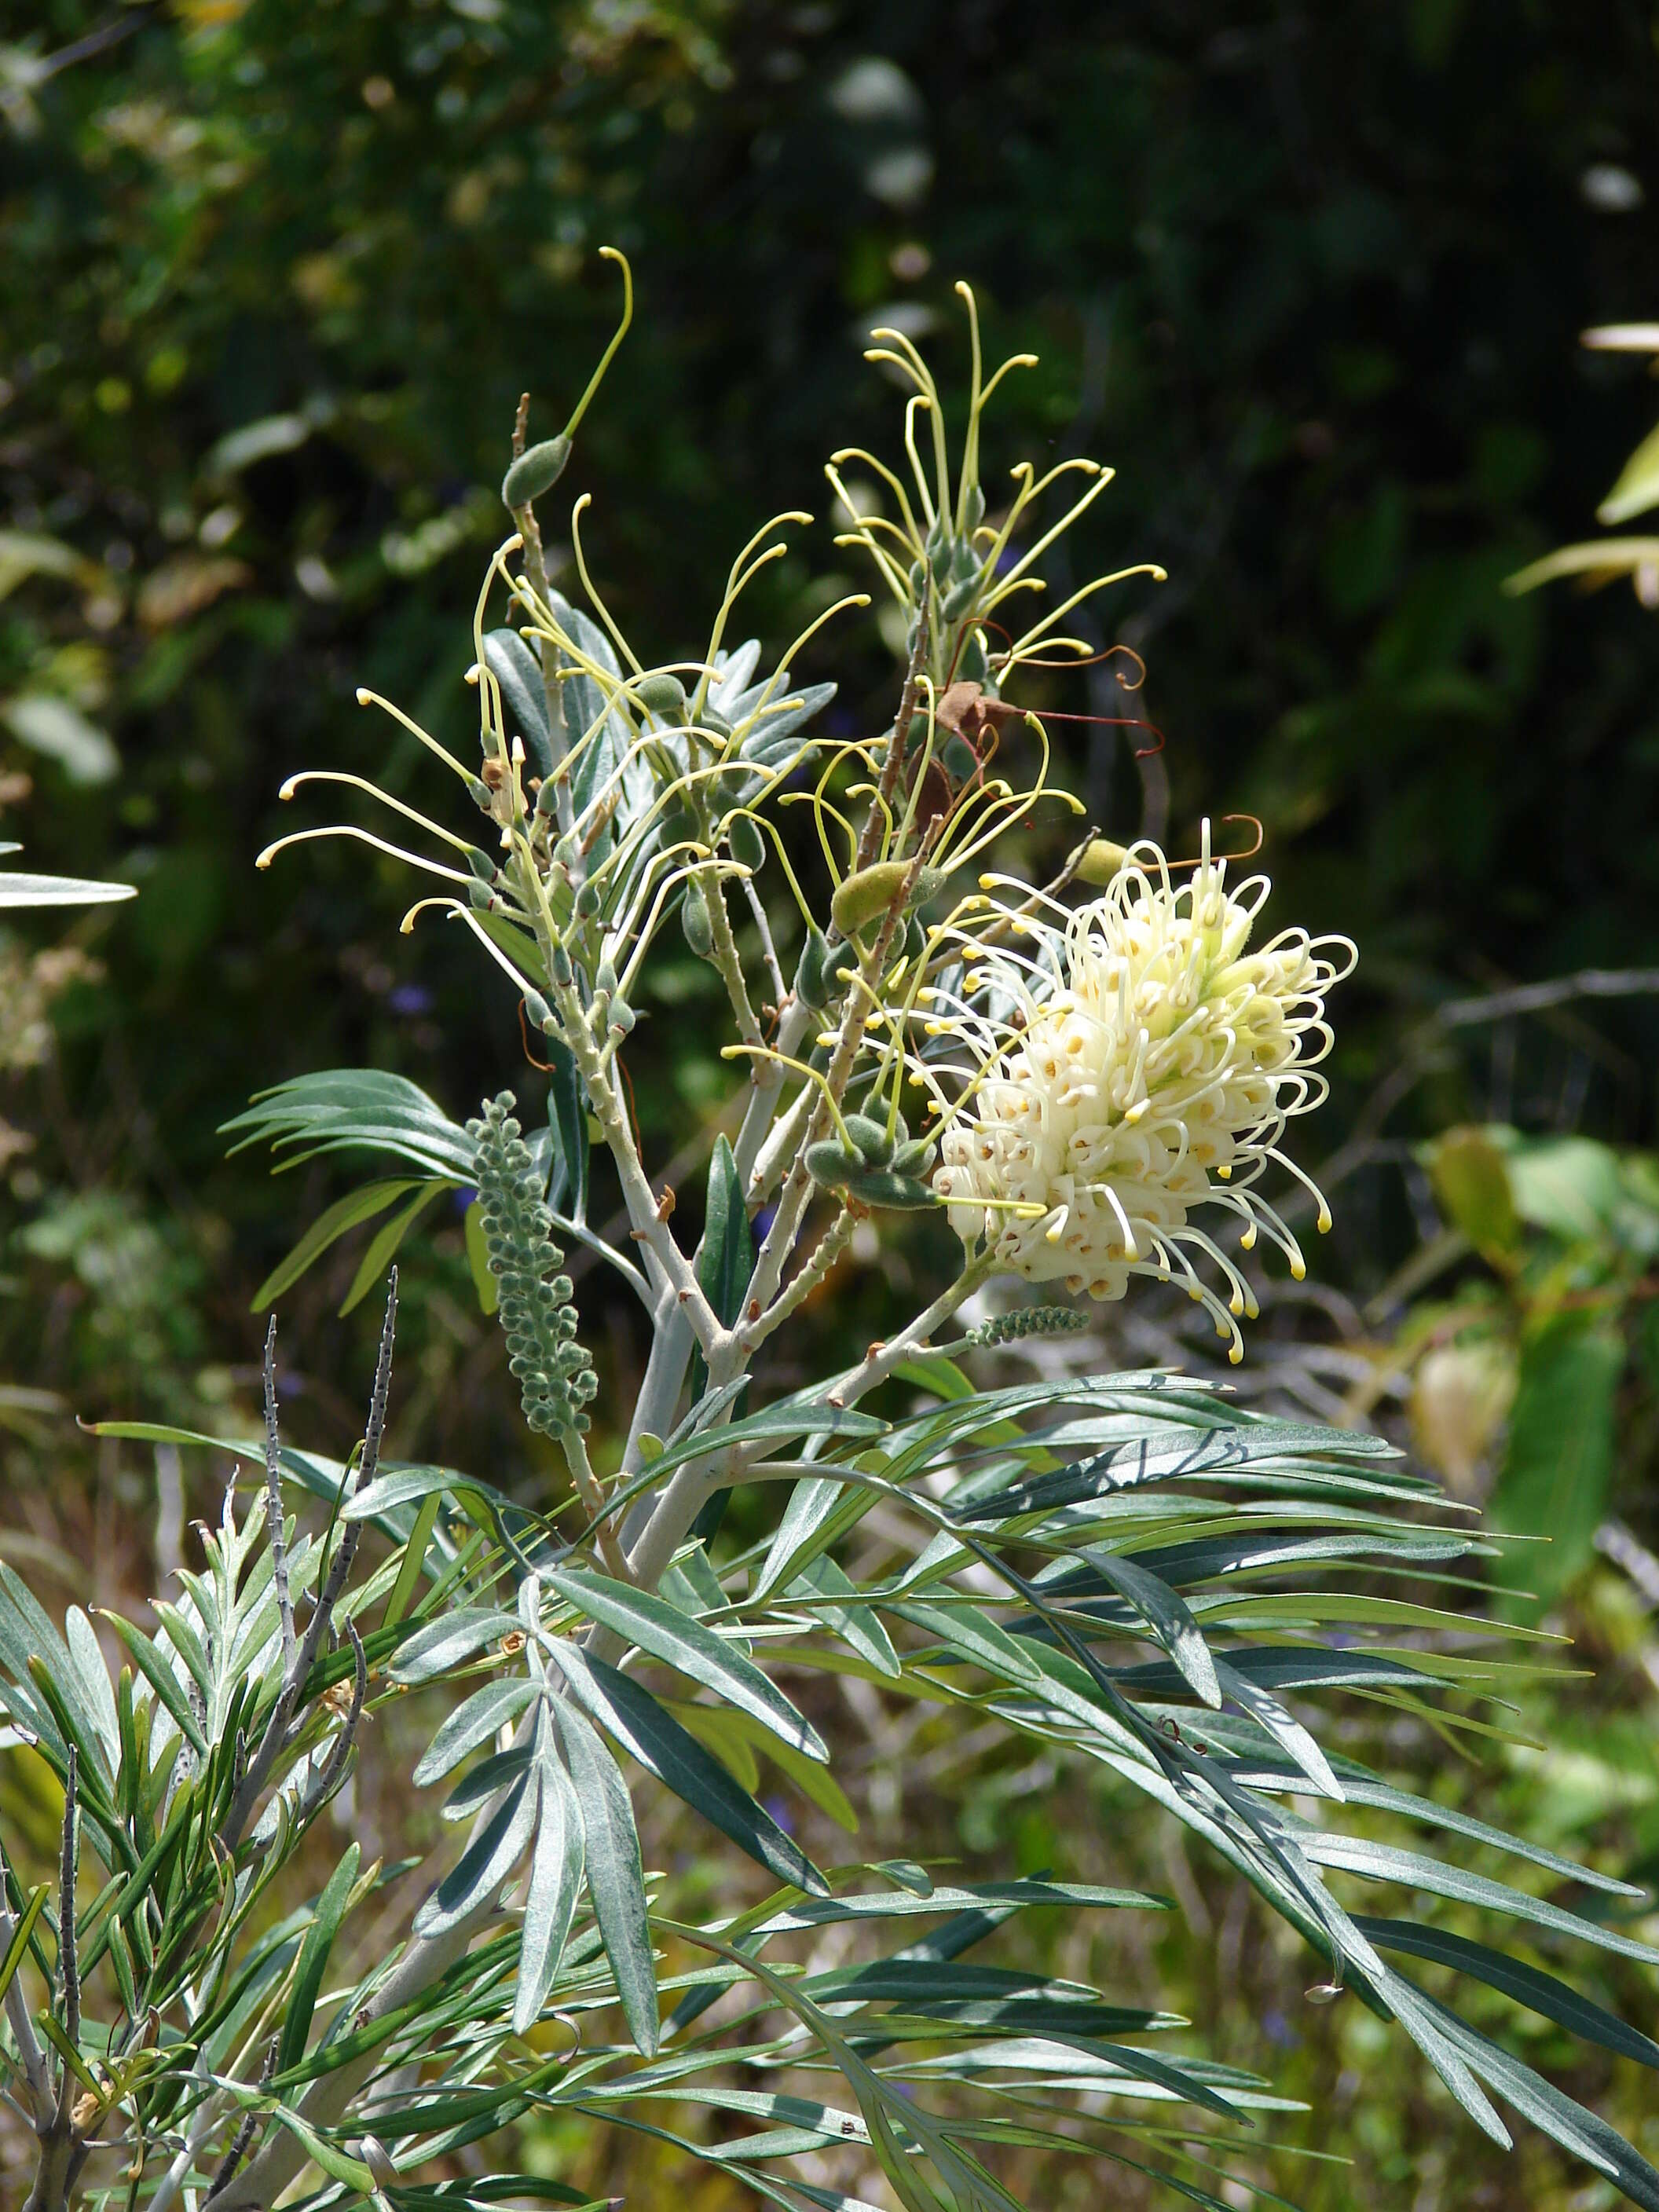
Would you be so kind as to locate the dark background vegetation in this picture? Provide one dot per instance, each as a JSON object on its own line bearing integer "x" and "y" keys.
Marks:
{"x": 1311, "y": 277}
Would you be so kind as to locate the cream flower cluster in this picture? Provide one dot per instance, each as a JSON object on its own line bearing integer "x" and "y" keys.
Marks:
{"x": 1131, "y": 1060}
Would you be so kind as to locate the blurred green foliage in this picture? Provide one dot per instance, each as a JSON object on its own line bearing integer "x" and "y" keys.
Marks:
{"x": 1312, "y": 276}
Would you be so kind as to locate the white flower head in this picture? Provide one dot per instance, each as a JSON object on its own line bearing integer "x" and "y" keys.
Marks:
{"x": 1129, "y": 1061}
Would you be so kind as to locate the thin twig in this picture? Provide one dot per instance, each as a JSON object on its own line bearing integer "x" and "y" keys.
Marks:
{"x": 69, "y": 1970}
{"x": 325, "y": 1784}
{"x": 1533, "y": 998}
{"x": 247, "y": 2128}
{"x": 274, "y": 1528}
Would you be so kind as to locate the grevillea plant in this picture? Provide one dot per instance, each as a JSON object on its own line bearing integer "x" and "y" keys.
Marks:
{"x": 1129, "y": 1572}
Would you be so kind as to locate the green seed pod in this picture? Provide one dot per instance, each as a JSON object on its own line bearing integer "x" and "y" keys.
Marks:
{"x": 864, "y": 897}
{"x": 747, "y": 846}
{"x": 811, "y": 980}
{"x": 1102, "y": 860}
{"x": 712, "y": 725}
{"x": 941, "y": 556}
{"x": 605, "y": 978}
{"x": 480, "y": 895}
{"x": 623, "y": 1018}
{"x": 663, "y": 696}
{"x": 547, "y": 798}
{"x": 587, "y": 902}
{"x": 676, "y": 824}
{"x": 916, "y": 737}
{"x": 479, "y": 791}
{"x": 960, "y": 597}
{"x": 535, "y": 473}
{"x": 538, "y": 1014}
{"x": 973, "y": 506}
{"x": 875, "y": 1145}
{"x": 900, "y": 1194}
{"x": 563, "y": 974}
{"x": 832, "y": 1164}
{"x": 972, "y": 666}
{"x": 695, "y": 923}
{"x": 913, "y": 1159}
{"x": 918, "y": 579}
{"x": 913, "y": 633}
{"x": 964, "y": 563}
{"x": 482, "y": 865}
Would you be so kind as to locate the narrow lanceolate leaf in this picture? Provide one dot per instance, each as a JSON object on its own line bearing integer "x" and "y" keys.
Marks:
{"x": 1541, "y": 1993}
{"x": 450, "y": 1641}
{"x": 672, "y": 1753}
{"x": 1550, "y": 2109}
{"x": 313, "y": 1960}
{"x": 1384, "y": 1862}
{"x": 162, "y": 1680}
{"x": 556, "y": 1877}
{"x": 615, "y": 1881}
{"x": 661, "y": 1629}
{"x": 485, "y": 1864}
{"x": 383, "y": 1245}
{"x": 1165, "y": 1614}
{"x": 357, "y": 1206}
{"x": 414, "y": 1560}
{"x": 836, "y": 1604}
{"x": 473, "y": 1722}
{"x": 1282, "y": 1725}
{"x": 20, "y": 1934}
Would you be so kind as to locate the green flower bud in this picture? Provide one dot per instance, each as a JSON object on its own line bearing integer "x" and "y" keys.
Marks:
{"x": 535, "y": 473}
{"x": 1028, "y": 1321}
